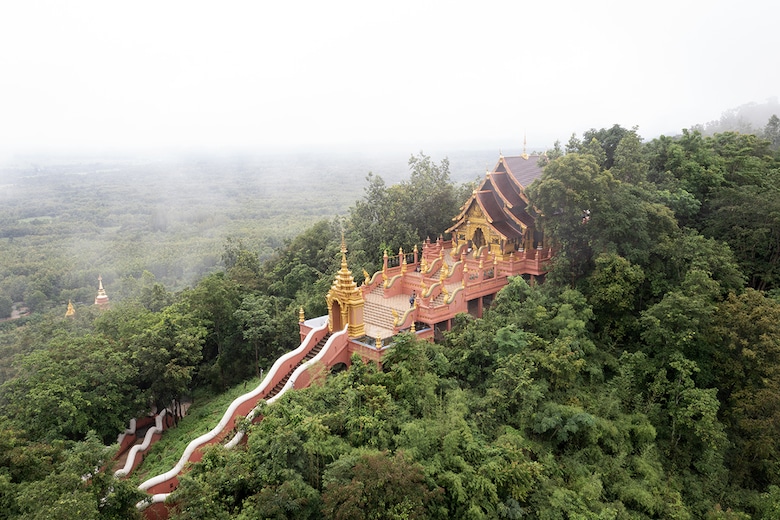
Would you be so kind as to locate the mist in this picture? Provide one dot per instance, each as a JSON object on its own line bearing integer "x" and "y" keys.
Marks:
{"x": 102, "y": 78}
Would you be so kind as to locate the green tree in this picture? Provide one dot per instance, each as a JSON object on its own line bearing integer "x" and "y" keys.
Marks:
{"x": 6, "y": 305}
{"x": 375, "y": 486}
{"x": 608, "y": 139}
{"x": 264, "y": 326}
{"x": 78, "y": 488}
{"x": 74, "y": 385}
{"x": 772, "y": 131}
{"x": 571, "y": 190}
{"x": 747, "y": 363}
{"x": 167, "y": 354}
{"x": 613, "y": 290}
{"x": 629, "y": 164}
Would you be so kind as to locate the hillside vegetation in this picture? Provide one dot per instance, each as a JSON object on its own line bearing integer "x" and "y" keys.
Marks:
{"x": 641, "y": 380}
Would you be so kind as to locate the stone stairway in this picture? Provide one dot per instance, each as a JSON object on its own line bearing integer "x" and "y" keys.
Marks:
{"x": 378, "y": 310}
{"x": 313, "y": 352}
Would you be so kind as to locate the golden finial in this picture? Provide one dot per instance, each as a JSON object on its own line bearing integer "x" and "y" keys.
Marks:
{"x": 301, "y": 317}
{"x": 343, "y": 252}
{"x": 379, "y": 342}
{"x": 71, "y": 310}
{"x": 412, "y": 327}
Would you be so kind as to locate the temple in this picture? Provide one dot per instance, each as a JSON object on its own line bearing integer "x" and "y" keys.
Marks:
{"x": 493, "y": 237}
{"x": 101, "y": 300}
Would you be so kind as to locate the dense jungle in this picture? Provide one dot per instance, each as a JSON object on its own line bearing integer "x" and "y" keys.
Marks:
{"x": 641, "y": 380}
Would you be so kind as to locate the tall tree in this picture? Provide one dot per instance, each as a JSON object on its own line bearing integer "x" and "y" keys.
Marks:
{"x": 74, "y": 385}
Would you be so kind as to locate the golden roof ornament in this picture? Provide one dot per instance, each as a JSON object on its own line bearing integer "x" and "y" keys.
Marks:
{"x": 301, "y": 316}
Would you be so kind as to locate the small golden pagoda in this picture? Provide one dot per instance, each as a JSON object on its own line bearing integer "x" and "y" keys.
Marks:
{"x": 101, "y": 300}
{"x": 345, "y": 301}
{"x": 71, "y": 312}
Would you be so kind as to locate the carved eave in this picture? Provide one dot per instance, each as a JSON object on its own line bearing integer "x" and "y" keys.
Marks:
{"x": 467, "y": 205}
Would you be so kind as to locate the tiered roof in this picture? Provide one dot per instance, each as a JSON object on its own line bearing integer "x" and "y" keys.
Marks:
{"x": 501, "y": 195}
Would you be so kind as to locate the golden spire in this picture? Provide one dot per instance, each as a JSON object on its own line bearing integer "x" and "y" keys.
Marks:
{"x": 343, "y": 252}
{"x": 301, "y": 316}
{"x": 71, "y": 310}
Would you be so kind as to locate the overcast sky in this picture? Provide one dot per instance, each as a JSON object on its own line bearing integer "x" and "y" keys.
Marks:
{"x": 413, "y": 74}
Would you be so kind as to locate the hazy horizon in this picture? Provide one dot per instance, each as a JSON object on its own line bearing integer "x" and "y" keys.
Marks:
{"x": 91, "y": 77}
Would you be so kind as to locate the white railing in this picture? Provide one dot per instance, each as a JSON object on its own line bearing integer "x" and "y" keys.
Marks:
{"x": 290, "y": 383}
{"x": 139, "y": 448}
{"x": 228, "y": 416}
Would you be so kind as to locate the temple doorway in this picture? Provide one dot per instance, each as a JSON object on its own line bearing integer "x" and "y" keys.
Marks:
{"x": 335, "y": 316}
{"x": 479, "y": 239}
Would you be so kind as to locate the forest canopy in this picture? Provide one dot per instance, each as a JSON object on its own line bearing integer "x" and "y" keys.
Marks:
{"x": 640, "y": 380}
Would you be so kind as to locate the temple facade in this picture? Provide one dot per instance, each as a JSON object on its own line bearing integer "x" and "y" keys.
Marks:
{"x": 493, "y": 237}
